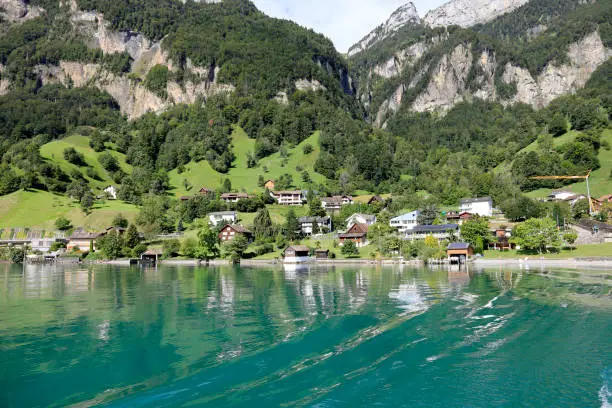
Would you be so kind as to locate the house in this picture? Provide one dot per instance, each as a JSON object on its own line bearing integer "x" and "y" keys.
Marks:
{"x": 83, "y": 241}
{"x": 458, "y": 218}
{"x": 405, "y": 222}
{"x": 482, "y": 206}
{"x": 230, "y": 231}
{"x": 185, "y": 198}
{"x": 459, "y": 252}
{"x": 111, "y": 192}
{"x": 307, "y": 224}
{"x": 222, "y": 217}
{"x": 294, "y": 197}
{"x": 441, "y": 232}
{"x": 42, "y": 244}
{"x": 151, "y": 257}
{"x": 206, "y": 191}
{"x": 376, "y": 200}
{"x": 235, "y": 197}
{"x": 322, "y": 254}
{"x": 601, "y": 201}
{"x": 560, "y": 195}
{"x": 335, "y": 203}
{"x": 118, "y": 230}
{"x": 296, "y": 254}
{"x": 270, "y": 184}
{"x": 360, "y": 219}
{"x": 358, "y": 233}
{"x": 501, "y": 240}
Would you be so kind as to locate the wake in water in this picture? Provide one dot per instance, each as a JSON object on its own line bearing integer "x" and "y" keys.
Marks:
{"x": 605, "y": 393}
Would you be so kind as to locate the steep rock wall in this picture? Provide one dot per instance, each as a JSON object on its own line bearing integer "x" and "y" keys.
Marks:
{"x": 17, "y": 11}
{"x": 466, "y": 13}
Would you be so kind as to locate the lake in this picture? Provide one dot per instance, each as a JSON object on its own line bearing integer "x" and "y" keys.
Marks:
{"x": 351, "y": 336}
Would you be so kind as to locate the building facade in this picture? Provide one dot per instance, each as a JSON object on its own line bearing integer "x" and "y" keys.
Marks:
{"x": 231, "y": 231}
{"x": 295, "y": 197}
{"x": 481, "y": 206}
{"x": 222, "y": 217}
{"x": 405, "y": 222}
{"x": 307, "y": 224}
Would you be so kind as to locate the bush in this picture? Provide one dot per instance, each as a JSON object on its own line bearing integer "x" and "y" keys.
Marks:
{"x": 307, "y": 149}
{"x": 171, "y": 247}
{"x": 109, "y": 162}
{"x": 157, "y": 80}
{"x": 63, "y": 224}
{"x": 74, "y": 157}
{"x": 16, "y": 255}
{"x": 349, "y": 249}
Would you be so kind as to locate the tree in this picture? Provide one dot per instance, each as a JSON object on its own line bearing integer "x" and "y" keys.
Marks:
{"x": 557, "y": 125}
{"x": 16, "y": 255}
{"x": 581, "y": 209}
{"x": 349, "y": 249}
{"x": 261, "y": 181}
{"x": 120, "y": 221}
{"x": 132, "y": 238}
{"x": 74, "y": 157}
{"x": 522, "y": 208}
{"x": 428, "y": 215}
{"x": 109, "y": 162}
{"x": 235, "y": 249}
{"x": 262, "y": 224}
{"x": 315, "y": 208}
{"x": 110, "y": 245}
{"x": 292, "y": 226}
{"x": 476, "y": 232}
{"x": 307, "y": 148}
{"x": 570, "y": 237}
{"x": 171, "y": 247}
{"x": 432, "y": 242}
{"x": 227, "y": 186}
{"x": 315, "y": 228}
{"x": 87, "y": 202}
{"x": 208, "y": 241}
{"x": 537, "y": 234}
{"x": 63, "y": 224}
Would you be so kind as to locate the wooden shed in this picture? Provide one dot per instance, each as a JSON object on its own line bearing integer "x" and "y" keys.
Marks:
{"x": 459, "y": 252}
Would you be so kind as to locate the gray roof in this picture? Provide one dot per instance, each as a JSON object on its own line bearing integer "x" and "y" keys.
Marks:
{"x": 434, "y": 228}
{"x": 222, "y": 213}
{"x": 320, "y": 220}
{"x": 459, "y": 245}
{"x": 476, "y": 200}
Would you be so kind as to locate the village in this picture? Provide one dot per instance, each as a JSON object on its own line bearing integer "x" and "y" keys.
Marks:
{"x": 327, "y": 231}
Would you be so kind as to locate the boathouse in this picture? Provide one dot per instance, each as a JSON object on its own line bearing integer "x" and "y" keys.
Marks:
{"x": 459, "y": 252}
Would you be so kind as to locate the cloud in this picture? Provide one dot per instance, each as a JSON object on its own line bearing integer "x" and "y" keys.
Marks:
{"x": 344, "y": 21}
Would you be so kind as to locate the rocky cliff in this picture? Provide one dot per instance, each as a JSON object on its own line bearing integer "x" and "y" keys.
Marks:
{"x": 16, "y": 11}
{"x": 467, "y": 13}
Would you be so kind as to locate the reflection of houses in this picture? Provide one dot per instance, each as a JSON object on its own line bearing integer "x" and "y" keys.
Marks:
{"x": 441, "y": 232}
{"x": 235, "y": 197}
{"x": 307, "y": 224}
{"x": 231, "y": 231}
{"x": 458, "y": 218}
{"x": 83, "y": 241}
{"x": 405, "y": 222}
{"x": 459, "y": 252}
{"x": 358, "y": 233}
{"x": 297, "y": 254}
{"x": 360, "y": 219}
{"x": 335, "y": 203}
{"x": 294, "y": 197}
{"x": 222, "y": 217}
{"x": 482, "y": 206}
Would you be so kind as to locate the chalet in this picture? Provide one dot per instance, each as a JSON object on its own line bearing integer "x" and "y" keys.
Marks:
{"x": 560, "y": 195}
{"x": 501, "y": 240}
{"x": 482, "y": 206}
{"x": 458, "y": 218}
{"x": 83, "y": 240}
{"x": 459, "y": 252}
{"x": 307, "y": 224}
{"x": 599, "y": 203}
{"x": 376, "y": 200}
{"x": 222, "y": 217}
{"x": 235, "y": 197}
{"x": 405, "y": 222}
{"x": 441, "y": 232}
{"x": 296, "y": 254}
{"x": 335, "y": 203}
{"x": 360, "y": 219}
{"x": 206, "y": 191}
{"x": 231, "y": 231}
{"x": 295, "y": 197}
{"x": 358, "y": 233}
{"x": 270, "y": 185}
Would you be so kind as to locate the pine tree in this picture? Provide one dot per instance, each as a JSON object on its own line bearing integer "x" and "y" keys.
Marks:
{"x": 292, "y": 226}
{"x": 132, "y": 239}
{"x": 262, "y": 224}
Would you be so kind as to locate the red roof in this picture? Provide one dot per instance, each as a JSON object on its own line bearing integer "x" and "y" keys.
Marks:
{"x": 237, "y": 228}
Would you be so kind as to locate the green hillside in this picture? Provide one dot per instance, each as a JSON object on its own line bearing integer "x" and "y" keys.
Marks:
{"x": 244, "y": 179}
{"x": 40, "y": 209}
{"x": 54, "y": 152}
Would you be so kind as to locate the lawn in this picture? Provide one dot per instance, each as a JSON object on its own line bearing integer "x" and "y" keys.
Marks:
{"x": 583, "y": 251}
{"x": 244, "y": 179}
{"x": 40, "y": 209}
{"x": 54, "y": 152}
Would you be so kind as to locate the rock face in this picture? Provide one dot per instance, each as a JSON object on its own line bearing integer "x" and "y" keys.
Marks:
{"x": 16, "y": 11}
{"x": 406, "y": 14}
{"x": 396, "y": 64}
{"x": 466, "y": 13}
{"x": 306, "y": 85}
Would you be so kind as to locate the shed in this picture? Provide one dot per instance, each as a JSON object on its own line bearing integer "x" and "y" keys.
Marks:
{"x": 151, "y": 257}
{"x": 322, "y": 254}
{"x": 459, "y": 252}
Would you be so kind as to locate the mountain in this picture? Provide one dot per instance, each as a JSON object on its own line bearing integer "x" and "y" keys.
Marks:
{"x": 511, "y": 52}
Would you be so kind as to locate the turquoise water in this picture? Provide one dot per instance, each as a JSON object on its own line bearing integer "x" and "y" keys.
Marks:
{"x": 337, "y": 337}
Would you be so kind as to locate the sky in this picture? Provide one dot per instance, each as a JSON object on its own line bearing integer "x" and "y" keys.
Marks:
{"x": 343, "y": 21}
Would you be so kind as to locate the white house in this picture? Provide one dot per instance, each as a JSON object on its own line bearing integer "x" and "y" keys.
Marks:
{"x": 440, "y": 232}
{"x": 482, "y": 206}
{"x": 307, "y": 224}
{"x": 405, "y": 222}
{"x": 360, "y": 219}
{"x": 111, "y": 192}
{"x": 335, "y": 203}
{"x": 295, "y": 197}
{"x": 560, "y": 195}
{"x": 223, "y": 217}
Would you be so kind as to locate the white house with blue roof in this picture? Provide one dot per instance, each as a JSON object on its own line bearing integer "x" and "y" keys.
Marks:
{"x": 405, "y": 222}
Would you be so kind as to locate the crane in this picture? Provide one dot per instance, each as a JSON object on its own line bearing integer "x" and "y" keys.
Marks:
{"x": 588, "y": 175}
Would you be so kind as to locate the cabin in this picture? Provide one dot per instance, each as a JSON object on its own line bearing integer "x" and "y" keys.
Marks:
{"x": 307, "y": 224}
{"x": 296, "y": 254}
{"x": 405, "y": 222}
{"x": 376, "y": 200}
{"x": 459, "y": 252}
{"x": 151, "y": 257}
{"x": 206, "y": 191}
{"x": 458, "y": 218}
{"x": 335, "y": 203}
{"x": 235, "y": 197}
{"x": 358, "y": 233}
{"x": 83, "y": 241}
{"x": 231, "y": 231}
{"x": 117, "y": 230}
{"x": 482, "y": 206}
{"x": 440, "y": 232}
{"x": 222, "y": 217}
{"x": 293, "y": 197}
{"x": 270, "y": 185}
{"x": 360, "y": 219}
{"x": 321, "y": 254}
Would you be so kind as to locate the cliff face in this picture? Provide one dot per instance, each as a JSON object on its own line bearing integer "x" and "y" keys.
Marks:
{"x": 467, "y": 13}
{"x": 16, "y": 11}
